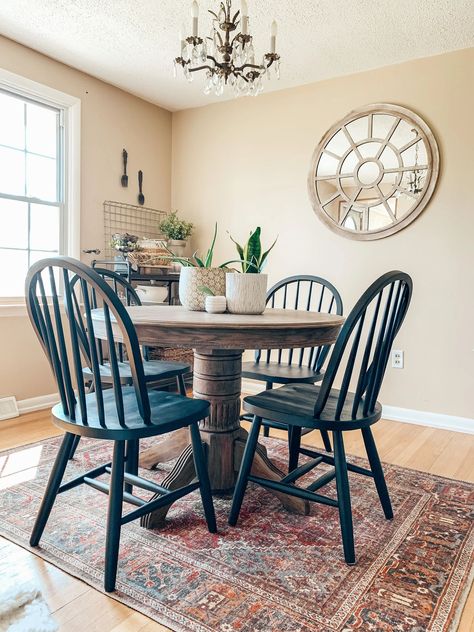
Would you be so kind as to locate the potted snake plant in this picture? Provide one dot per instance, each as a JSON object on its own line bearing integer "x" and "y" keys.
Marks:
{"x": 246, "y": 291}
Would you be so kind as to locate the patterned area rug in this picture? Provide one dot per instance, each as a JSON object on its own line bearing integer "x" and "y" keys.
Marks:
{"x": 275, "y": 571}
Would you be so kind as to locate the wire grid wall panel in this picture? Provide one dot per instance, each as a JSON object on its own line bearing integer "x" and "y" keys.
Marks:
{"x": 134, "y": 220}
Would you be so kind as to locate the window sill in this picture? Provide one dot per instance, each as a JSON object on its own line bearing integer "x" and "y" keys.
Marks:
{"x": 11, "y": 310}
{"x": 8, "y": 310}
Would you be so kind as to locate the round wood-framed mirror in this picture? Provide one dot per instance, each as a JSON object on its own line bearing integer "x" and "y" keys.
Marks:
{"x": 374, "y": 172}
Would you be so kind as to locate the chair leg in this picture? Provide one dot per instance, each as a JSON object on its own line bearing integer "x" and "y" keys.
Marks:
{"x": 114, "y": 516}
{"x": 326, "y": 440}
{"x": 266, "y": 429}
{"x": 52, "y": 487}
{"x": 294, "y": 444}
{"x": 377, "y": 471}
{"x": 131, "y": 463}
{"x": 244, "y": 472}
{"x": 77, "y": 438}
{"x": 343, "y": 498}
{"x": 181, "y": 385}
{"x": 201, "y": 470}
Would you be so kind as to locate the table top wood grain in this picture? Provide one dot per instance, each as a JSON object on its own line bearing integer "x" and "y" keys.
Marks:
{"x": 275, "y": 328}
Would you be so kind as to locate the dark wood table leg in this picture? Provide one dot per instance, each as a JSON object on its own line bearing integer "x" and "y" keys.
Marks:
{"x": 166, "y": 450}
{"x": 217, "y": 378}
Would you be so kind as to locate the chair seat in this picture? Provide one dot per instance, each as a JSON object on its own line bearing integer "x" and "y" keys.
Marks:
{"x": 293, "y": 404}
{"x": 279, "y": 373}
{"x": 154, "y": 370}
{"x": 169, "y": 411}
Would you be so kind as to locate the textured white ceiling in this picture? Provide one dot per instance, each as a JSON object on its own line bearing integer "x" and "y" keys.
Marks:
{"x": 131, "y": 43}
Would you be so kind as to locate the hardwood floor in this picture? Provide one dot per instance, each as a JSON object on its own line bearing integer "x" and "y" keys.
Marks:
{"x": 76, "y": 606}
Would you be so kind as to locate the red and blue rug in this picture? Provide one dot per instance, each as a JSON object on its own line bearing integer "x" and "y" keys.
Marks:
{"x": 274, "y": 572}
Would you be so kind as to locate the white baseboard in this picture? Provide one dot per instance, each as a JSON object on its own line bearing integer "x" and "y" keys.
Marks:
{"x": 431, "y": 420}
{"x": 37, "y": 403}
{"x": 394, "y": 413}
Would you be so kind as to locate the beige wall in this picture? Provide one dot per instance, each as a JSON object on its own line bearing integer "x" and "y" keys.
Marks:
{"x": 244, "y": 163}
{"x": 111, "y": 119}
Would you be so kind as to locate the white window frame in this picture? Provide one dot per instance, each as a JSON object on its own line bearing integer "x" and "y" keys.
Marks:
{"x": 70, "y": 108}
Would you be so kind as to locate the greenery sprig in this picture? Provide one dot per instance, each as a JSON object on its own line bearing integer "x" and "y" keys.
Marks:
{"x": 174, "y": 228}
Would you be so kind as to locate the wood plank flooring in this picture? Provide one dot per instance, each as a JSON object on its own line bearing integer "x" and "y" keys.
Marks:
{"x": 76, "y": 606}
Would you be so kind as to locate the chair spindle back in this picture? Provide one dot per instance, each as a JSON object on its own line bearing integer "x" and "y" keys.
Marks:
{"x": 64, "y": 340}
{"x": 362, "y": 350}
{"x": 309, "y": 293}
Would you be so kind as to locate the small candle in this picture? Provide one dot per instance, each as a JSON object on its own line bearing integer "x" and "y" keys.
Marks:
{"x": 273, "y": 37}
{"x": 195, "y": 16}
{"x": 244, "y": 10}
{"x": 182, "y": 43}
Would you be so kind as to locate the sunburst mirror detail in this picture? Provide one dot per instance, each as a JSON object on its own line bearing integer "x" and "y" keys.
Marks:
{"x": 374, "y": 172}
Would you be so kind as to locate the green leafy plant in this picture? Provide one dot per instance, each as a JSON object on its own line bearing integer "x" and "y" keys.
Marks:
{"x": 174, "y": 228}
{"x": 252, "y": 258}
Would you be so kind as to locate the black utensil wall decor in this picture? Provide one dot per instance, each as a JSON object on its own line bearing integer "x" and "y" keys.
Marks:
{"x": 125, "y": 177}
{"x": 141, "y": 197}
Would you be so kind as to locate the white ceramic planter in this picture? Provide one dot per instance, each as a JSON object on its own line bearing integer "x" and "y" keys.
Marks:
{"x": 192, "y": 279}
{"x": 216, "y": 304}
{"x": 246, "y": 293}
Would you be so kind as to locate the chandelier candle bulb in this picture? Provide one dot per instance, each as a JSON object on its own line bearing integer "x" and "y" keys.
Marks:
{"x": 244, "y": 10}
{"x": 195, "y": 16}
{"x": 273, "y": 37}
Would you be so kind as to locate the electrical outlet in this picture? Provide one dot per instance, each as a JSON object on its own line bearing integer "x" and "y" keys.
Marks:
{"x": 397, "y": 359}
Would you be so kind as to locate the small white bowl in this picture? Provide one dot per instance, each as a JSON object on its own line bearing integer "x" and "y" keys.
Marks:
{"x": 216, "y": 304}
{"x": 152, "y": 293}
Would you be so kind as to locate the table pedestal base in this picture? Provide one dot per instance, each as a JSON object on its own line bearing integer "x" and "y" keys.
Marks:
{"x": 217, "y": 378}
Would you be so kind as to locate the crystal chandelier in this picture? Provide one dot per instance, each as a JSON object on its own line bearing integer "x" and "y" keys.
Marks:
{"x": 417, "y": 177}
{"x": 228, "y": 55}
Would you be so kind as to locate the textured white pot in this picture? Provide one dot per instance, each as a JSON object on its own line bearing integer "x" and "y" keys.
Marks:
{"x": 246, "y": 293}
{"x": 192, "y": 279}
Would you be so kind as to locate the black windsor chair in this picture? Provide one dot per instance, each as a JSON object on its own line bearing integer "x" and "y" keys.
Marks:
{"x": 359, "y": 358}
{"x": 122, "y": 414}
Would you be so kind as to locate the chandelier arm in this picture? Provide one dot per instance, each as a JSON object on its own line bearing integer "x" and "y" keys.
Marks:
{"x": 212, "y": 58}
{"x": 206, "y": 67}
{"x": 255, "y": 66}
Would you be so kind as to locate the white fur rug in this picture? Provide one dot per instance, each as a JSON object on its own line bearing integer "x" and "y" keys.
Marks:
{"x": 22, "y": 608}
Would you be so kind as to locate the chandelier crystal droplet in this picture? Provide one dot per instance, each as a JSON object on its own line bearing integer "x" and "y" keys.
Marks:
{"x": 227, "y": 56}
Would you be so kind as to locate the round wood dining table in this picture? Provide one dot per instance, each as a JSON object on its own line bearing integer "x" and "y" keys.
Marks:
{"x": 219, "y": 341}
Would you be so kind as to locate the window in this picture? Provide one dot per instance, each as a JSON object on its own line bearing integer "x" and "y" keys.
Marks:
{"x": 31, "y": 188}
